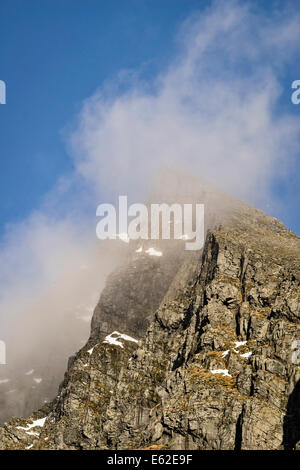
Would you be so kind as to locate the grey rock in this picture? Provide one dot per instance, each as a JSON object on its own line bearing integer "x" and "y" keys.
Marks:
{"x": 213, "y": 366}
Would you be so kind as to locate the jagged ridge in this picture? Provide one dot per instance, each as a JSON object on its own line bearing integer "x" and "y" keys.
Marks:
{"x": 212, "y": 368}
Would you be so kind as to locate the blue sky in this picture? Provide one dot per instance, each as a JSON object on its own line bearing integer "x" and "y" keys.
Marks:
{"x": 56, "y": 53}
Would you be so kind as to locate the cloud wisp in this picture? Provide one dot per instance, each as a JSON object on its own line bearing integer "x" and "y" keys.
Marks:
{"x": 213, "y": 111}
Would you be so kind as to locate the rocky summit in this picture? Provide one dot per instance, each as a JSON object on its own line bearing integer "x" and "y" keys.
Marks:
{"x": 188, "y": 350}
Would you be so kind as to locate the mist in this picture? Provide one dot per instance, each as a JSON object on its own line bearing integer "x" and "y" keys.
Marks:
{"x": 211, "y": 111}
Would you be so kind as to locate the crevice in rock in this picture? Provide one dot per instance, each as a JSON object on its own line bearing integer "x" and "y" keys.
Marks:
{"x": 239, "y": 433}
{"x": 291, "y": 422}
{"x": 203, "y": 323}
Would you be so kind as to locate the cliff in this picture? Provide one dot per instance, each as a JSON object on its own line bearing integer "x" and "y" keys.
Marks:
{"x": 189, "y": 350}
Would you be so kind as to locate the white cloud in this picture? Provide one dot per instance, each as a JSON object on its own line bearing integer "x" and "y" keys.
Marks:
{"x": 212, "y": 111}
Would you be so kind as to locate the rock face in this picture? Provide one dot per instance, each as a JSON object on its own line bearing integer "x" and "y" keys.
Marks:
{"x": 190, "y": 350}
{"x": 134, "y": 291}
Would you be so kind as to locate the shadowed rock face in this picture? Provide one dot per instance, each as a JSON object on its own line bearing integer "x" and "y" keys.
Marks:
{"x": 212, "y": 368}
{"x": 291, "y": 423}
{"x": 133, "y": 292}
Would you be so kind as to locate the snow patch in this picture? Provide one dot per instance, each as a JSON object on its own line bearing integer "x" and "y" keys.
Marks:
{"x": 29, "y": 372}
{"x": 37, "y": 380}
{"x": 115, "y": 337}
{"x": 37, "y": 422}
{"x": 153, "y": 252}
{"x": 221, "y": 371}
{"x": 247, "y": 354}
{"x": 240, "y": 343}
{"x": 225, "y": 353}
